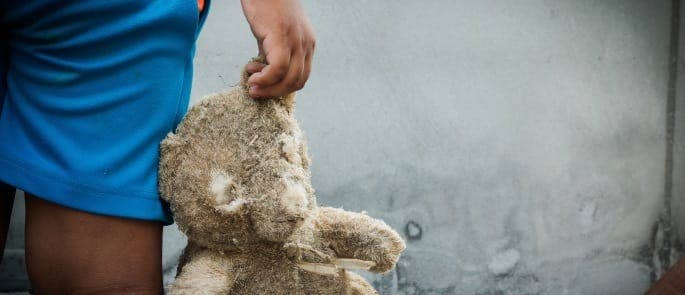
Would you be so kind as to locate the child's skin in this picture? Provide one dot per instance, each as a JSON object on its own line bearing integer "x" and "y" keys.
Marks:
{"x": 70, "y": 251}
{"x": 286, "y": 38}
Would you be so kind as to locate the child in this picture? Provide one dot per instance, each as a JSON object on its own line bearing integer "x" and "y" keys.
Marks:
{"x": 88, "y": 89}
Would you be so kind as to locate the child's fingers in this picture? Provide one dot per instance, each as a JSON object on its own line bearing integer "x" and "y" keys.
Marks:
{"x": 306, "y": 70}
{"x": 278, "y": 63}
{"x": 290, "y": 83}
{"x": 254, "y": 67}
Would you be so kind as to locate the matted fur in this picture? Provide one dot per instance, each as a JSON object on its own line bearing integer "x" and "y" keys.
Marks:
{"x": 236, "y": 174}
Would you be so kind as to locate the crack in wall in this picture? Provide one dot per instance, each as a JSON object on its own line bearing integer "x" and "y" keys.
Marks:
{"x": 665, "y": 243}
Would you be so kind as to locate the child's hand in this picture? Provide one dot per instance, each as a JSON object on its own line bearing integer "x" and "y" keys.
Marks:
{"x": 286, "y": 38}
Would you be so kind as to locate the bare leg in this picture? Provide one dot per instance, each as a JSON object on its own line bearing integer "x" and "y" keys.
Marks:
{"x": 6, "y": 202}
{"x": 69, "y": 251}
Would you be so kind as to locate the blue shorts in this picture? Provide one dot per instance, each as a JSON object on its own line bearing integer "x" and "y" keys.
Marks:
{"x": 88, "y": 89}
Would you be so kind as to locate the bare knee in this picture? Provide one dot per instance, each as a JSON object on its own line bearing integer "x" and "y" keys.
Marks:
{"x": 69, "y": 251}
{"x": 116, "y": 288}
{"x": 67, "y": 281}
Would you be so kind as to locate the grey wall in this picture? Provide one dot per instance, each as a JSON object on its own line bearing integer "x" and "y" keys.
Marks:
{"x": 519, "y": 146}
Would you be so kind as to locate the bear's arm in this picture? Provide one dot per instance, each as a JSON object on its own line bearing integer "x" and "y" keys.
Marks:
{"x": 204, "y": 272}
{"x": 356, "y": 235}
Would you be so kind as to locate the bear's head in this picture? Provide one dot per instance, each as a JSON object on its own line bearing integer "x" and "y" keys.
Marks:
{"x": 236, "y": 171}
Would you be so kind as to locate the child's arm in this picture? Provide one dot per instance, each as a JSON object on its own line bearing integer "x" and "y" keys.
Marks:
{"x": 285, "y": 36}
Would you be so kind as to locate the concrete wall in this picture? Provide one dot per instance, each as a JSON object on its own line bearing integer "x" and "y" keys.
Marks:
{"x": 518, "y": 146}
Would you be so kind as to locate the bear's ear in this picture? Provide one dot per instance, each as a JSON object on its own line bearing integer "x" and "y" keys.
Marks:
{"x": 169, "y": 150}
{"x": 288, "y": 101}
{"x": 170, "y": 142}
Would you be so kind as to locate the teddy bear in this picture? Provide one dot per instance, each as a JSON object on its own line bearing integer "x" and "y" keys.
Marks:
{"x": 236, "y": 176}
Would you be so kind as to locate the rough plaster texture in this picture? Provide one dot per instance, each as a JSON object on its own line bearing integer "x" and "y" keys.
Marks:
{"x": 517, "y": 145}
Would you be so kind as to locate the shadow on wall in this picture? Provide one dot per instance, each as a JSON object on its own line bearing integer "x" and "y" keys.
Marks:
{"x": 13, "y": 275}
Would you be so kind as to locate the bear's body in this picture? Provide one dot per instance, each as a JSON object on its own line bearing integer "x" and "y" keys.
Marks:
{"x": 236, "y": 174}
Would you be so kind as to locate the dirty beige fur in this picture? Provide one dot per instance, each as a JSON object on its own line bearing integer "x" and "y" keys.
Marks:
{"x": 236, "y": 174}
